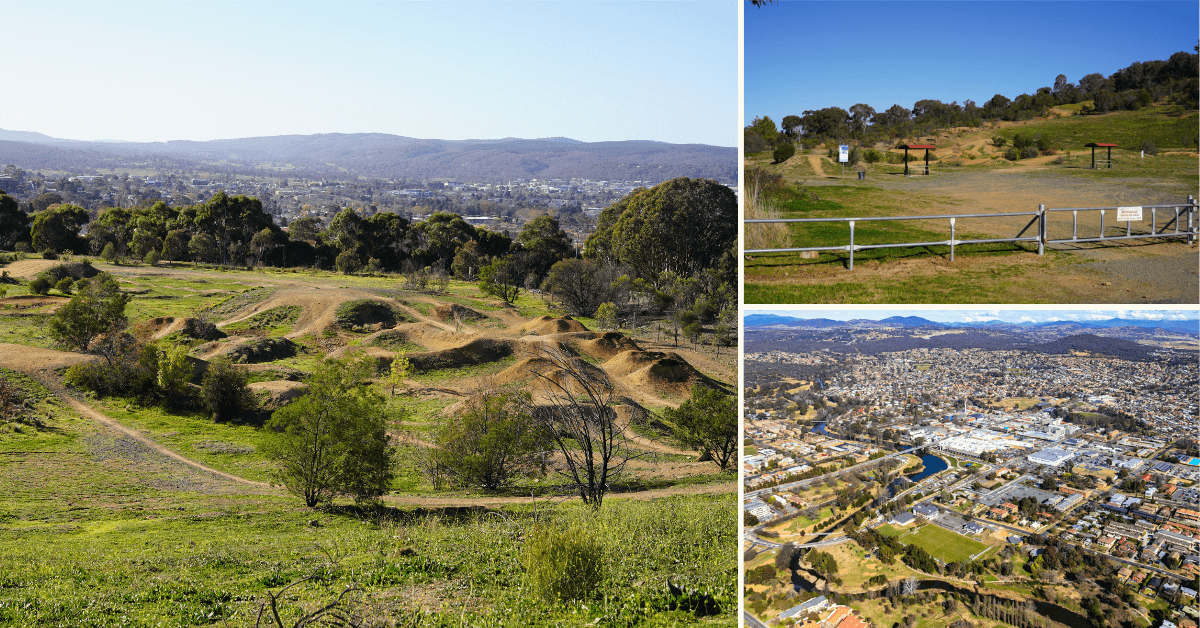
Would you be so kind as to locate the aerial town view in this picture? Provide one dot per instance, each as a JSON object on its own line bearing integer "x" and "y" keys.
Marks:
{"x": 965, "y": 468}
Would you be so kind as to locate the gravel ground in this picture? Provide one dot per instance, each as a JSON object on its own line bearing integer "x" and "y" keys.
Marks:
{"x": 1137, "y": 271}
{"x": 163, "y": 472}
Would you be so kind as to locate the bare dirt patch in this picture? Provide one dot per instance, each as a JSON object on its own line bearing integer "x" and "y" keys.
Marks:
{"x": 552, "y": 325}
{"x": 29, "y": 268}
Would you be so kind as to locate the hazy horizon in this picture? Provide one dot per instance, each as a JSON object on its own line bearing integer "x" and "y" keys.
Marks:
{"x": 115, "y": 140}
{"x": 943, "y": 315}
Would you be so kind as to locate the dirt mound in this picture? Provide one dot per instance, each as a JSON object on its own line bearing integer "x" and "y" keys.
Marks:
{"x": 608, "y": 345}
{"x": 627, "y": 362}
{"x": 164, "y": 326}
{"x": 522, "y": 371}
{"x": 671, "y": 376}
{"x": 525, "y": 371}
{"x": 369, "y": 314}
{"x": 254, "y": 350}
{"x": 478, "y": 351}
{"x": 392, "y": 340}
{"x": 552, "y": 325}
{"x": 452, "y": 311}
{"x": 279, "y": 393}
{"x": 74, "y": 270}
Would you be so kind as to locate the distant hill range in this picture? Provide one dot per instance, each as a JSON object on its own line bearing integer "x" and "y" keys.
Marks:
{"x": 379, "y": 155}
{"x": 775, "y": 320}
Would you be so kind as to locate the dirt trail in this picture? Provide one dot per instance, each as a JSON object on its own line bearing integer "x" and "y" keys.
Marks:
{"x": 703, "y": 489}
{"x": 41, "y": 363}
{"x": 815, "y": 160}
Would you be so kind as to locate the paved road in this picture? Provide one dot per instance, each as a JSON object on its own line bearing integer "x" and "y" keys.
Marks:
{"x": 821, "y": 478}
{"x": 749, "y": 621}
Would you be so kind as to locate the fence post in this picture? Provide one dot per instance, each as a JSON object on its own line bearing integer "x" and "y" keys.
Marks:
{"x": 1191, "y": 210}
{"x": 1041, "y": 229}
{"x": 1075, "y": 224}
{"x": 951, "y": 239}
{"x": 1102, "y": 224}
{"x": 851, "y": 245}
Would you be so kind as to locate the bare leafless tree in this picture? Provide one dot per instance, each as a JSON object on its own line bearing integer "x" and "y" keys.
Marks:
{"x": 581, "y": 421}
{"x": 335, "y": 612}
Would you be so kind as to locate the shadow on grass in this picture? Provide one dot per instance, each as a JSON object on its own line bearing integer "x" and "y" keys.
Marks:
{"x": 833, "y": 259}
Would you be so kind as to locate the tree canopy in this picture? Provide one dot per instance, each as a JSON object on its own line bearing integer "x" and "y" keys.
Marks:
{"x": 682, "y": 226}
{"x": 333, "y": 440}
{"x": 97, "y": 308}
{"x": 708, "y": 421}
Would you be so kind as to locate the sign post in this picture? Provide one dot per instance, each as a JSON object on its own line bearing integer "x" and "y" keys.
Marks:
{"x": 843, "y": 157}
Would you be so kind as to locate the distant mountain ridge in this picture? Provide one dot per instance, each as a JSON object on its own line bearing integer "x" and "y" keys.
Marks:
{"x": 383, "y": 155}
{"x": 769, "y": 320}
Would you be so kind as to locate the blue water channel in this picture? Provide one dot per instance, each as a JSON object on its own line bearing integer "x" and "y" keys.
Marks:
{"x": 933, "y": 464}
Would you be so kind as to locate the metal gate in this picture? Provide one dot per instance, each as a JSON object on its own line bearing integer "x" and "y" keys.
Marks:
{"x": 1172, "y": 227}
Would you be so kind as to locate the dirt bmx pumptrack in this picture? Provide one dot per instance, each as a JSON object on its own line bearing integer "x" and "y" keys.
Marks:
{"x": 505, "y": 343}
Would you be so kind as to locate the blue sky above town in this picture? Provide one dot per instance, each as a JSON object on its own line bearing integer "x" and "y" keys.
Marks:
{"x": 662, "y": 71}
{"x": 811, "y": 55}
{"x": 956, "y": 315}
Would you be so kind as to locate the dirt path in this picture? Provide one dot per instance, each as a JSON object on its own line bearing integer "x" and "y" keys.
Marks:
{"x": 90, "y": 412}
{"x": 815, "y": 161}
{"x": 40, "y": 364}
{"x": 415, "y": 500}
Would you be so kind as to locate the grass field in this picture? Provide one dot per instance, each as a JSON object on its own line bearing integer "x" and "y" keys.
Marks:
{"x": 941, "y": 543}
{"x": 98, "y": 528}
{"x": 970, "y": 178}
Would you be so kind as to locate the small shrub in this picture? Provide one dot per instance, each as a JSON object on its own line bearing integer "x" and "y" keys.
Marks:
{"x": 999, "y": 141}
{"x": 48, "y": 254}
{"x": 1029, "y": 152}
{"x": 39, "y": 285}
{"x": 872, "y": 156}
{"x": 64, "y": 285}
{"x": 564, "y": 563}
{"x": 1010, "y": 154}
{"x": 223, "y": 391}
{"x": 1149, "y": 147}
{"x": 153, "y": 257}
{"x": 109, "y": 254}
{"x": 784, "y": 152}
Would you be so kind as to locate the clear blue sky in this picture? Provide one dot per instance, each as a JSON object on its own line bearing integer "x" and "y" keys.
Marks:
{"x": 944, "y": 314}
{"x": 663, "y": 71}
{"x": 812, "y": 55}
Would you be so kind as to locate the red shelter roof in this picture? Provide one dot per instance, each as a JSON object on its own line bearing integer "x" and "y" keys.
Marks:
{"x": 929, "y": 146}
{"x": 1101, "y": 145}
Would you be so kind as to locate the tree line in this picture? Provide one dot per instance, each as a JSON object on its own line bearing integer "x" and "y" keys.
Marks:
{"x": 1130, "y": 88}
{"x": 666, "y": 249}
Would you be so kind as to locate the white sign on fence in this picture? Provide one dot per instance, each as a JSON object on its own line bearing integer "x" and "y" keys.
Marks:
{"x": 843, "y": 153}
{"x": 1129, "y": 213}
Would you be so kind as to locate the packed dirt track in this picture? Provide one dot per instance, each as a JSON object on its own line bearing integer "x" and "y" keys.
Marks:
{"x": 1148, "y": 270}
{"x": 277, "y": 326}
